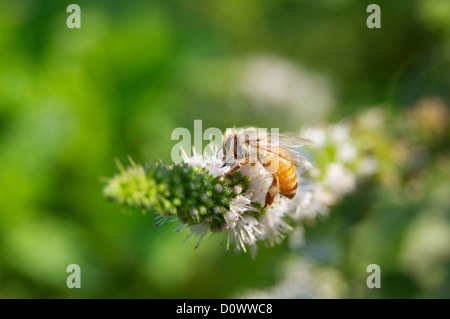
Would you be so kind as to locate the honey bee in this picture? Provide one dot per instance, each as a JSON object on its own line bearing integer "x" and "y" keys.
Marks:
{"x": 276, "y": 152}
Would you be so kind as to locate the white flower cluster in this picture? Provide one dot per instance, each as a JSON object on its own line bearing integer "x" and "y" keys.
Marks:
{"x": 343, "y": 162}
{"x": 244, "y": 227}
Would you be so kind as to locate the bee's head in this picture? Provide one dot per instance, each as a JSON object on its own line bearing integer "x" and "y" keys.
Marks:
{"x": 239, "y": 144}
{"x": 230, "y": 144}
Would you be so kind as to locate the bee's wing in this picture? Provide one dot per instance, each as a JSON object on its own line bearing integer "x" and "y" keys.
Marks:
{"x": 289, "y": 140}
{"x": 296, "y": 157}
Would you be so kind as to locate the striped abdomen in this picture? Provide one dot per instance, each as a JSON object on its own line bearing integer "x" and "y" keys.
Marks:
{"x": 285, "y": 176}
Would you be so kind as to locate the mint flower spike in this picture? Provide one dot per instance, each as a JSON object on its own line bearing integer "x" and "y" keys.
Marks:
{"x": 185, "y": 192}
{"x": 201, "y": 196}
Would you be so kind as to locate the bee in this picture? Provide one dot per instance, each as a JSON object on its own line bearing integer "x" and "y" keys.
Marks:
{"x": 276, "y": 152}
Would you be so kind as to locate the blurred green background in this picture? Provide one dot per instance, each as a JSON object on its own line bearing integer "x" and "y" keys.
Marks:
{"x": 72, "y": 100}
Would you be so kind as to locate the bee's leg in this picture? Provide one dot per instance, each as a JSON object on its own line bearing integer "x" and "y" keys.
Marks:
{"x": 273, "y": 191}
{"x": 236, "y": 167}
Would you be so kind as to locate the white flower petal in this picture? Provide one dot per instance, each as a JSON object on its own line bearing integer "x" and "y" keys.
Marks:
{"x": 240, "y": 204}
